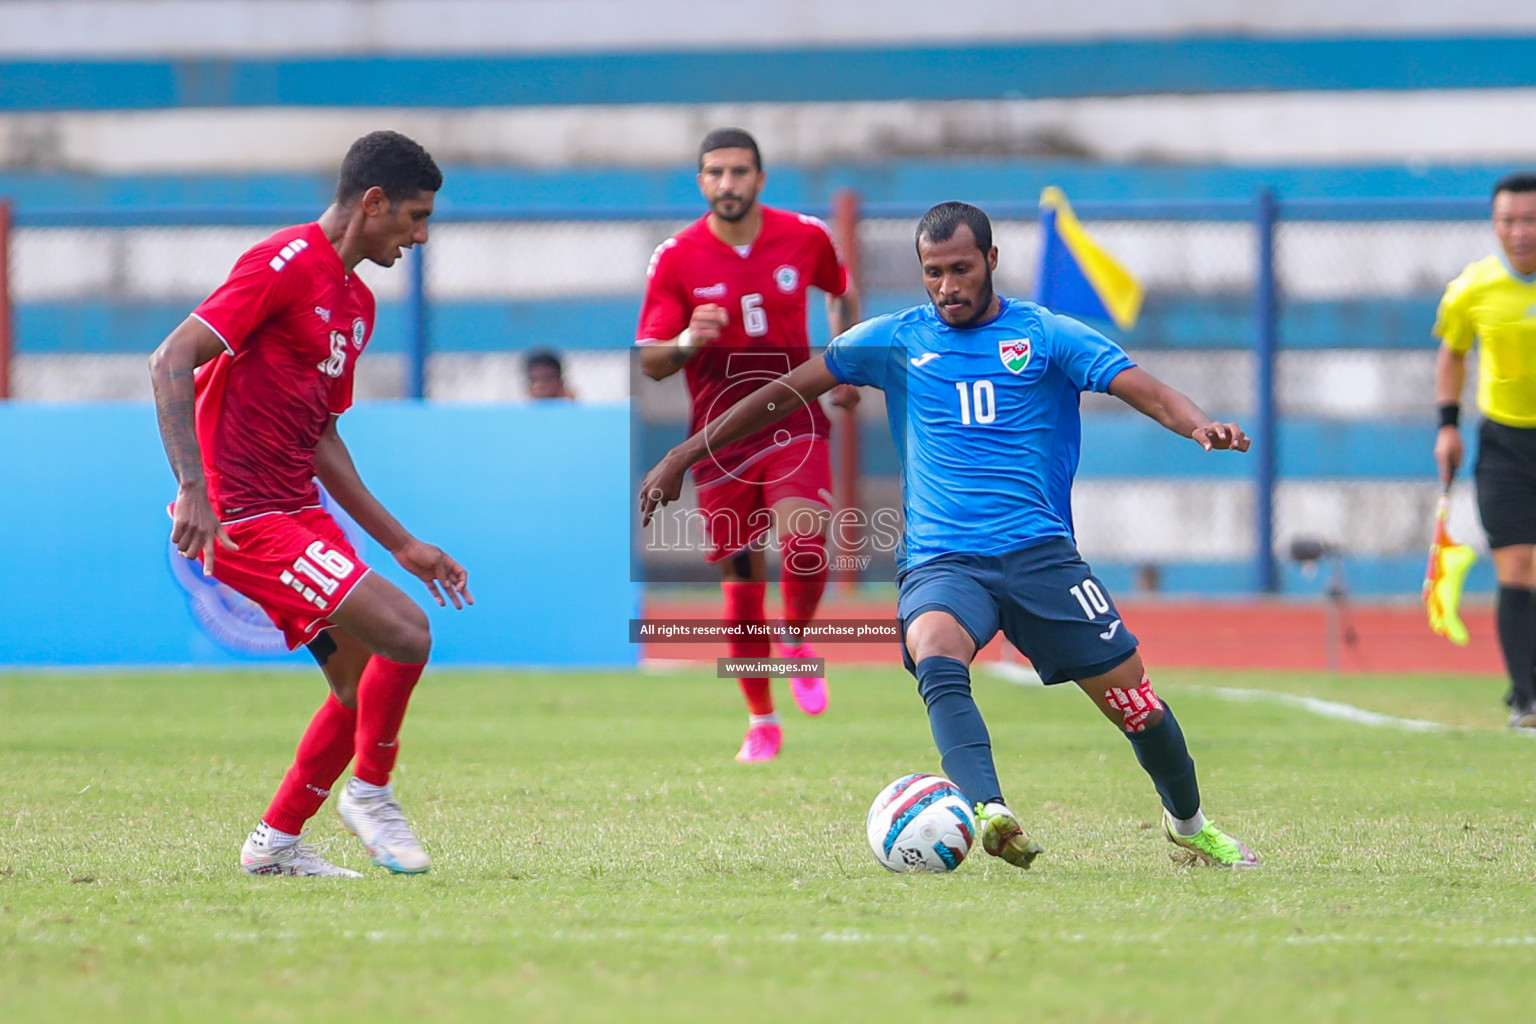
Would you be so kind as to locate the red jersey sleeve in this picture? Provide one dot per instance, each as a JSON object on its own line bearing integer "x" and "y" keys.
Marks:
{"x": 665, "y": 310}
{"x": 255, "y": 289}
{"x": 830, "y": 275}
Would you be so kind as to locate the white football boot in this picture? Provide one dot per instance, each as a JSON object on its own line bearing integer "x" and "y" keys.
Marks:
{"x": 380, "y": 823}
{"x": 299, "y": 859}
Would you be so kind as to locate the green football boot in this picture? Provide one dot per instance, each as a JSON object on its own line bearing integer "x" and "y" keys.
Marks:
{"x": 1003, "y": 836}
{"x": 1212, "y": 846}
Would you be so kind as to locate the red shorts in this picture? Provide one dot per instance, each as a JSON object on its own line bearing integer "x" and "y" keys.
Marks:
{"x": 736, "y": 507}
{"x": 297, "y": 566}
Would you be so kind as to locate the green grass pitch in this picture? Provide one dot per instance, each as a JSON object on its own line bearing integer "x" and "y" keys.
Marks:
{"x": 600, "y": 857}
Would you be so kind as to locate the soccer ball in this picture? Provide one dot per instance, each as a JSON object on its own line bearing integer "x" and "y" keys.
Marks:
{"x": 920, "y": 823}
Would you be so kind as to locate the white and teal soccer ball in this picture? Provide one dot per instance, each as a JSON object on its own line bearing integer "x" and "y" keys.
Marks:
{"x": 921, "y": 823}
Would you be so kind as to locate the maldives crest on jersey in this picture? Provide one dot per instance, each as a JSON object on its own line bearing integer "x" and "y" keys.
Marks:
{"x": 1014, "y": 353}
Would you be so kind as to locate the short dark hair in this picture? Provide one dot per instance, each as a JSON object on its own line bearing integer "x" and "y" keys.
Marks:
{"x": 730, "y": 138}
{"x": 1520, "y": 181}
{"x": 391, "y": 161}
{"x": 542, "y": 357}
{"x": 940, "y": 222}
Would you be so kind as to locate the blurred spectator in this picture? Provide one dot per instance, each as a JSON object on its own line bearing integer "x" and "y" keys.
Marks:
{"x": 545, "y": 375}
{"x": 1149, "y": 577}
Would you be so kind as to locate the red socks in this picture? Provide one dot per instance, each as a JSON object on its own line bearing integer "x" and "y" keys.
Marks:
{"x": 744, "y": 604}
{"x": 805, "y": 579}
{"x": 324, "y": 751}
{"x": 382, "y": 694}
{"x": 335, "y": 733}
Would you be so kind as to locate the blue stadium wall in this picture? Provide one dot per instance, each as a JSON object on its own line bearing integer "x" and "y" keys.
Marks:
{"x": 533, "y": 500}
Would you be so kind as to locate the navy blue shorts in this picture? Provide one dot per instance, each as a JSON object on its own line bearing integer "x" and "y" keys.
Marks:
{"x": 1044, "y": 598}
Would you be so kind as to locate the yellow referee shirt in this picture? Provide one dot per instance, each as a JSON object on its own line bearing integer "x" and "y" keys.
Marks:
{"x": 1493, "y": 305}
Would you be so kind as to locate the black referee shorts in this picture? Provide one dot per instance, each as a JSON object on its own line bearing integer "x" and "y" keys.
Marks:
{"x": 1506, "y": 483}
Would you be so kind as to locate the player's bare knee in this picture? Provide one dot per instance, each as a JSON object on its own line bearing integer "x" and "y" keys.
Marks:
{"x": 408, "y": 638}
{"x": 1512, "y": 565}
{"x": 960, "y": 652}
{"x": 937, "y": 634}
{"x": 412, "y": 649}
{"x": 415, "y": 643}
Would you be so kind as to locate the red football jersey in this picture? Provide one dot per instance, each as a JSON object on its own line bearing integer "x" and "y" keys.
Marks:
{"x": 763, "y": 291}
{"x": 294, "y": 322}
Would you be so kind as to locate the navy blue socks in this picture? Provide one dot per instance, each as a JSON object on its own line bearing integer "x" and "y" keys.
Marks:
{"x": 1163, "y": 753}
{"x": 958, "y": 730}
{"x": 966, "y": 749}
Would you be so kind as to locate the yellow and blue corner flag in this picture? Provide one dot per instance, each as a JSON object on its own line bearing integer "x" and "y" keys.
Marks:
{"x": 1077, "y": 277}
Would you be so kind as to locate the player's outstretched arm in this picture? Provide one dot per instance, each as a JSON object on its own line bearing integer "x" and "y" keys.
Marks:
{"x": 194, "y": 525}
{"x": 427, "y": 562}
{"x": 768, "y": 404}
{"x": 1175, "y": 410}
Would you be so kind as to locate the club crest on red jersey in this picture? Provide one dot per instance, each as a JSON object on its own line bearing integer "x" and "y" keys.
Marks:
{"x": 787, "y": 278}
{"x": 1014, "y": 353}
{"x": 359, "y": 332}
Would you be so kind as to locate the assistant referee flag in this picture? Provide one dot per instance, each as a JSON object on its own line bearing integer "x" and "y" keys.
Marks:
{"x": 1444, "y": 577}
{"x": 1077, "y": 277}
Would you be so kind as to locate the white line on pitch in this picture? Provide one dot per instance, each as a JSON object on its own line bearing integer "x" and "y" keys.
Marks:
{"x": 606, "y": 936}
{"x": 1023, "y": 675}
{"x": 1325, "y": 708}
{"x": 1013, "y": 672}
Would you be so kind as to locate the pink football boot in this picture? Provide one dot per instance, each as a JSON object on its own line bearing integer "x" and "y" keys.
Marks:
{"x": 810, "y": 693}
{"x": 761, "y": 743}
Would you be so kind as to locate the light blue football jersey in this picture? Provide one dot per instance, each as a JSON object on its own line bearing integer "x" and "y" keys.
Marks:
{"x": 985, "y": 420}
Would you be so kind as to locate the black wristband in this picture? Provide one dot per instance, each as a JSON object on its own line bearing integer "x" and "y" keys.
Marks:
{"x": 1450, "y": 414}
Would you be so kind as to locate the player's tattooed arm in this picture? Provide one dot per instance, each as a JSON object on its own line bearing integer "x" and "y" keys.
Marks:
{"x": 768, "y": 404}
{"x": 194, "y": 526}
{"x": 1175, "y": 410}
{"x": 661, "y": 359}
{"x": 427, "y": 562}
{"x": 171, "y": 367}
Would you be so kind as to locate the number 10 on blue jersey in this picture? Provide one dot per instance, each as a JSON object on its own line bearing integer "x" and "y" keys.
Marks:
{"x": 977, "y": 395}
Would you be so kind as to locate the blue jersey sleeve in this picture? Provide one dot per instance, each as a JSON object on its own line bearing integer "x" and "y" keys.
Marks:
{"x": 861, "y": 354}
{"x": 1089, "y": 359}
